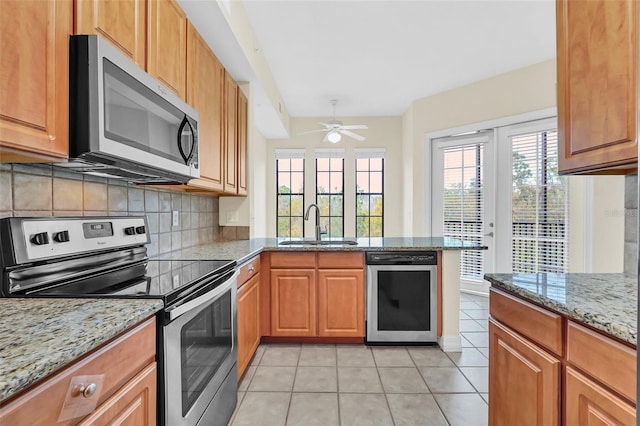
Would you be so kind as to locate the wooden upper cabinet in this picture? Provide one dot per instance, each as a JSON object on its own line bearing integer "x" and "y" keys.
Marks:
{"x": 205, "y": 87}
{"x": 231, "y": 140}
{"x": 167, "y": 44}
{"x": 597, "y": 48}
{"x": 242, "y": 143}
{"x": 524, "y": 381}
{"x": 34, "y": 82}
{"x": 121, "y": 22}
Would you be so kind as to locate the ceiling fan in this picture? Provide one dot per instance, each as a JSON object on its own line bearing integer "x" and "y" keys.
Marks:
{"x": 335, "y": 129}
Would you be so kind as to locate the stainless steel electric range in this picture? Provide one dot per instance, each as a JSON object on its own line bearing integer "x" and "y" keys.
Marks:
{"x": 107, "y": 257}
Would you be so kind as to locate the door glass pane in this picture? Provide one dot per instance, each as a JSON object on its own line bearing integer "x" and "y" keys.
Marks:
{"x": 205, "y": 342}
{"x": 136, "y": 116}
{"x": 404, "y": 300}
{"x": 464, "y": 203}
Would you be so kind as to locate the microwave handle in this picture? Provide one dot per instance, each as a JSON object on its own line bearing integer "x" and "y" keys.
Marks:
{"x": 187, "y": 122}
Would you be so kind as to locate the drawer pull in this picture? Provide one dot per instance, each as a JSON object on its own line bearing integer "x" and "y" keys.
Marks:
{"x": 88, "y": 390}
{"x": 251, "y": 269}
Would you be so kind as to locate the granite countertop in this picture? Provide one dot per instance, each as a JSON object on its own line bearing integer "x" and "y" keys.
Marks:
{"x": 607, "y": 302}
{"x": 39, "y": 336}
{"x": 243, "y": 250}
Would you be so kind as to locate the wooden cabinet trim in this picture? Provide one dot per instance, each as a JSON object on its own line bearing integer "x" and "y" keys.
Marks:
{"x": 340, "y": 260}
{"x": 538, "y": 324}
{"x": 291, "y": 260}
{"x": 588, "y": 403}
{"x": 248, "y": 322}
{"x": 613, "y": 363}
{"x": 119, "y": 361}
{"x": 243, "y": 143}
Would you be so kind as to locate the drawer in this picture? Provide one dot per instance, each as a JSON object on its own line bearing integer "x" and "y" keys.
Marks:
{"x": 341, "y": 260}
{"x": 608, "y": 361}
{"x": 115, "y": 363}
{"x": 293, "y": 260}
{"x": 538, "y": 324}
{"x": 248, "y": 270}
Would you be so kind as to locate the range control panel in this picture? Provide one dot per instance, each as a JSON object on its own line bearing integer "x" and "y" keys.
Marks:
{"x": 41, "y": 238}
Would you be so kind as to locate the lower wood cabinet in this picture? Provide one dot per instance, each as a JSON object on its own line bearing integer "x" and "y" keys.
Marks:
{"x": 547, "y": 369}
{"x": 317, "y": 294}
{"x": 589, "y": 404}
{"x": 123, "y": 375}
{"x": 522, "y": 372}
{"x": 248, "y": 321}
{"x": 293, "y": 302}
{"x": 340, "y": 302}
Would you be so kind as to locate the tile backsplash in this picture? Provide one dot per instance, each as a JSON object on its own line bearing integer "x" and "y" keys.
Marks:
{"x": 43, "y": 190}
{"x": 631, "y": 225}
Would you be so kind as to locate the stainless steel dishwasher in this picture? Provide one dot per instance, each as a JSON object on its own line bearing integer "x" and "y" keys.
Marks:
{"x": 401, "y": 297}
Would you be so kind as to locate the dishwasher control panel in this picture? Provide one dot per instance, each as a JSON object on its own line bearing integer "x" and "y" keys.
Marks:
{"x": 401, "y": 258}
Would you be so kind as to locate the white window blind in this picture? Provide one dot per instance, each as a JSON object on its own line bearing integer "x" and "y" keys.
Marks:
{"x": 464, "y": 202}
{"x": 540, "y": 204}
{"x": 369, "y": 152}
{"x": 329, "y": 153}
{"x": 289, "y": 153}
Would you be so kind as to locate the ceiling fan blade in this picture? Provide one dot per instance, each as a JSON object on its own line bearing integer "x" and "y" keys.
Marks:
{"x": 326, "y": 138}
{"x": 355, "y": 127}
{"x": 327, "y": 125}
{"x": 311, "y": 131}
{"x": 353, "y": 135}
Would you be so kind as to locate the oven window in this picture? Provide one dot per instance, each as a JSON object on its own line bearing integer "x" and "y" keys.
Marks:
{"x": 404, "y": 300}
{"x": 205, "y": 342}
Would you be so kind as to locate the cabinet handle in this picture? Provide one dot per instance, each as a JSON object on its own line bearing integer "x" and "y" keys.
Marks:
{"x": 88, "y": 390}
{"x": 251, "y": 268}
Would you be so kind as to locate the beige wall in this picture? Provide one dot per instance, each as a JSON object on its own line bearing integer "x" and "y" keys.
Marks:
{"x": 524, "y": 90}
{"x": 383, "y": 132}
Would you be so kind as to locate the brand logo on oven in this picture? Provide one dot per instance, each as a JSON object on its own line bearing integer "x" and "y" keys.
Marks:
{"x": 101, "y": 243}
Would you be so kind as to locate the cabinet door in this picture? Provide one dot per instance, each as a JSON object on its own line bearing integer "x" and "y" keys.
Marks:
{"x": 248, "y": 322}
{"x": 231, "y": 141}
{"x": 242, "y": 143}
{"x": 524, "y": 381}
{"x": 205, "y": 94}
{"x": 34, "y": 88}
{"x": 121, "y": 22}
{"x": 341, "y": 303}
{"x": 589, "y": 404}
{"x": 133, "y": 405}
{"x": 293, "y": 302}
{"x": 597, "y": 83}
{"x": 167, "y": 44}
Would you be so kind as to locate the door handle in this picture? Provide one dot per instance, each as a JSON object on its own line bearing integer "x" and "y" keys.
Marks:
{"x": 187, "y": 127}
{"x": 490, "y": 234}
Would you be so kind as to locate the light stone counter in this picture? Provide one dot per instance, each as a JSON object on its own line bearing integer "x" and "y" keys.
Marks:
{"x": 39, "y": 336}
{"x": 607, "y": 302}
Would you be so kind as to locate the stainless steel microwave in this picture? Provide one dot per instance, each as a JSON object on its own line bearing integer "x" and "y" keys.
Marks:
{"x": 123, "y": 123}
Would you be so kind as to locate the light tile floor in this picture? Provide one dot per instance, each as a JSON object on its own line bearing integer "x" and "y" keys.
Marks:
{"x": 352, "y": 385}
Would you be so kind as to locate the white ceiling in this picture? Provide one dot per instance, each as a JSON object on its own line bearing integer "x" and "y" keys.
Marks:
{"x": 376, "y": 57}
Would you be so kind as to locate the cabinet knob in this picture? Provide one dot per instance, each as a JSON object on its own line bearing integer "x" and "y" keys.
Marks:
{"x": 88, "y": 390}
{"x": 251, "y": 268}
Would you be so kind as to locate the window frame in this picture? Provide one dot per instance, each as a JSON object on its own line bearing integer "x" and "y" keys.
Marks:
{"x": 369, "y": 194}
{"x": 330, "y": 155}
{"x": 290, "y": 157}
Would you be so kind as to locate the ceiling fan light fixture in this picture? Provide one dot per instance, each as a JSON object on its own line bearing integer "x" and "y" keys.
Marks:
{"x": 334, "y": 137}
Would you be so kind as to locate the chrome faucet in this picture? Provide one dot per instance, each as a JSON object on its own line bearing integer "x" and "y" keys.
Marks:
{"x": 319, "y": 230}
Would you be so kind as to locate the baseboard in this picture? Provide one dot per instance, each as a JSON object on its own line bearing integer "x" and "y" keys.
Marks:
{"x": 450, "y": 343}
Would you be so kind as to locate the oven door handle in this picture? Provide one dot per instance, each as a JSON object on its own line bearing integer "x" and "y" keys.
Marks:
{"x": 176, "y": 311}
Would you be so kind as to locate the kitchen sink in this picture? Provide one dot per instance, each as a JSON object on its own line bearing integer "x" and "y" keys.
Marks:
{"x": 318, "y": 243}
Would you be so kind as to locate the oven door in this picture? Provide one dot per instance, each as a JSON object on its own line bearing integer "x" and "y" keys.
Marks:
{"x": 401, "y": 303}
{"x": 200, "y": 349}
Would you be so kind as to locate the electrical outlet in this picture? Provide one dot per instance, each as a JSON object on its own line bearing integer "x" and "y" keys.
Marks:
{"x": 232, "y": 217}
{"x": 176, "y": 218}
{"x": 176, "y": 281}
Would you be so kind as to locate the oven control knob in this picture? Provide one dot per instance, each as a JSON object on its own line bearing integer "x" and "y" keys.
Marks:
{"x": 130, "y": 230}
{"x": 40, "y": 239}
{"x": 140, "y": 230}
{"x": 61, "y": 237}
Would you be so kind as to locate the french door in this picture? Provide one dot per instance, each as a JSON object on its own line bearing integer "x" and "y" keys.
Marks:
{"x": 463, "y": 200}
